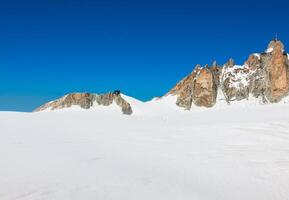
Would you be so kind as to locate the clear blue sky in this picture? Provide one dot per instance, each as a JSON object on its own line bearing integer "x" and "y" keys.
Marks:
{"x": 50, "y": 48}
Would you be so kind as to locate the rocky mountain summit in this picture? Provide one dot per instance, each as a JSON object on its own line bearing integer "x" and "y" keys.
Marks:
{"x": 88, "y": 100}
{"x": 264, "y": 75}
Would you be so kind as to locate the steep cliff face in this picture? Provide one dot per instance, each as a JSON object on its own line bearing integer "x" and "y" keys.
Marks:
{"x": 199, "y": 87}
{"x": 88, "y": 100}
{"x": 204, "y": 88}
{"x": 264, "y": 76}
{"x": 184, "y": 89}
{"x": 257, "y": 76}
{"x": 276, "y": 66}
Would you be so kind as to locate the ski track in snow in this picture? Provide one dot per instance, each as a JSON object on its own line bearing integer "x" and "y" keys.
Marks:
{"x": 221, "y": 154}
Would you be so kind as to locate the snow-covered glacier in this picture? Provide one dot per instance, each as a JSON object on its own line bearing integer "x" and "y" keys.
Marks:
{"x": 228, "y": 152}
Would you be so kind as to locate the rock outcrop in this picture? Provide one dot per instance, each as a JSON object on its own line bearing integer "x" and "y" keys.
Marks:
{"x": 87, "y": 100}
{"x": 235, "y": 81}
{"x": 257, "y": 76}
{"x": 84, "y": 100}
{"x": 109, "y": 98}
{"x": 204, "y": 88}
{"x": 264, "y": 76}
{"x": 184, "y": 90}
{"x": 276, "y": 66}
{"x": 199, "y": 87}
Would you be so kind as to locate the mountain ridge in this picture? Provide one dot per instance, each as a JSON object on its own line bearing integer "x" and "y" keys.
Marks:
{"x": 263, "y": 76}
{"x": 87, "y": 100}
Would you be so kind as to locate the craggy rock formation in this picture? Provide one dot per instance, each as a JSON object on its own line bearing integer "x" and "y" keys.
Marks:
{"x": 184, "y": 89}
{"x": 257, "y": 76}
{"x": 87, "y": 100}
{"x": 235, "y": 81}
{"x": 84, "y": 100}
{"x": 199, "y": 87}
{"x": 109, "y": 98}
{"x": 204, "y": 88}
{"x": 276, "y": 66}
{"x": 264, "y": 76}
{"x": 216, "y": 71}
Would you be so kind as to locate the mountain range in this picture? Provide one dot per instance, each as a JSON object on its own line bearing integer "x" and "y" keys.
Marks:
{"x": 263, "y": 78}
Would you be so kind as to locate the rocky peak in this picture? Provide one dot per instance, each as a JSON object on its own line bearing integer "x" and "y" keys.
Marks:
{"x": 109, "y": 98}
{"x": 184, "y": 89}
{"x": 277, "y": 76}
{"x": 204, "y": 91}
{"x": 199, "y": 87}
{"x": 230, "y": 63}
{"x": 253, "y": 61}
{"x": 262, "y": 75}
{"x": 256, "y": 75}
{"x": 87, "y": 100}
{"x": 275, "y": 45}
{"x": 84, "y": 100}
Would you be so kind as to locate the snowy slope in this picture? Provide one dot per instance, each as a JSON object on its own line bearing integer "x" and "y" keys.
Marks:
{"x": 221, "y": 154}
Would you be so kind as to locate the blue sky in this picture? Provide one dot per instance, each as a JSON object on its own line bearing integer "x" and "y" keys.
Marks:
{"x": 50, "y": 48}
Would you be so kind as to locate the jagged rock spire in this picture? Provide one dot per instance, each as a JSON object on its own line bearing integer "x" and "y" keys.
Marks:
{"x": 230, "y": 63}
{"x": 276, "y": 66}
{"x": 264, "y": 75}
{"x": 275, "y": 44}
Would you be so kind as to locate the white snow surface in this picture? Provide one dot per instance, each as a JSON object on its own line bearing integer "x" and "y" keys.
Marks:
{"x": 257, "y": 55}
{"x": 237, "y": 76}
{"x": 160, "y": 152}
{"x": 269, "y": 50}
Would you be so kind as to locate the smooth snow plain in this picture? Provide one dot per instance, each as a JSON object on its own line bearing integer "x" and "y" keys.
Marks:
{"x": 238, "y": 152}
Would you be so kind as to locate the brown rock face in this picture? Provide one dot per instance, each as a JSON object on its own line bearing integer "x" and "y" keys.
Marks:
{"x": 84, "y": 100}
{"x": 257, "y": 76}
{"x": 216, "y": 71}
{"x": 125, "y": 106}
{"x": 87, "y": 100}
{"x": 204, "y": 89}
{"x": 276, "y": 66}
{"x": 199, "y": 87}
{"x": 109, "y": 98}
{"x": 253, "y": 62}
{"x": 184, "y": 90}
{"x": 276, "y": 43}
{"x": 230, "y": 63}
